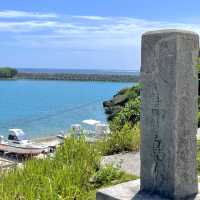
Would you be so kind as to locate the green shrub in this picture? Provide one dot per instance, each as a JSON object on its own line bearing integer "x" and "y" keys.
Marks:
{"x": 7, "y": 72}
{"x": 107, "y": 176}
{"x": 125, "y": 131}
{"x": 198, "y": 118}
{"x": 110, "y": 175}
{"x": 126, "y": 98}
{"x": 198, "y": 156}
{"x": 129, "y": 114}
{"x": 126, "y": 139}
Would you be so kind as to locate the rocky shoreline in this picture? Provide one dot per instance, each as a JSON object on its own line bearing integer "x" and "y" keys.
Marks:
{"x": 118, "y": 102}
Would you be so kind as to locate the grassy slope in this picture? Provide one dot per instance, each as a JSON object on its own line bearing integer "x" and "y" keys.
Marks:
{"x": 73, "y": 173}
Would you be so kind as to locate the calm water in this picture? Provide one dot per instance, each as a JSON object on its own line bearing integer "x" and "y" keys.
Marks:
{"x": 46, "y": 107}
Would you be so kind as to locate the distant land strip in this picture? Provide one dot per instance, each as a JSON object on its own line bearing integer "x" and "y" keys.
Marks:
{"x": 77, "y": 77}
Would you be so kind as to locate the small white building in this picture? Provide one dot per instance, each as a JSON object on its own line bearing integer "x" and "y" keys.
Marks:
{"x": 95, "y": 127}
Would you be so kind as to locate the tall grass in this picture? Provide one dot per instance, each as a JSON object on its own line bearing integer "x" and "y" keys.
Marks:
{"x": 125, "y": 139}
{"x": 64, "y": 177}
{"x": 73, "y": 173}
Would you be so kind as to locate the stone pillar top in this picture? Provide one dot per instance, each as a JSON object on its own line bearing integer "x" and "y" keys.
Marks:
{"x": 170, "y": 31}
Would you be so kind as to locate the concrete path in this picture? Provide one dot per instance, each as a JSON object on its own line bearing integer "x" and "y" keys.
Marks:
{"x": 128, "y": 162}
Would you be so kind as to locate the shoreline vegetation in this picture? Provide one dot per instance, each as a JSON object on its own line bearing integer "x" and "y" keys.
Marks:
{"x": 77, "y": 77}
{"x": 7, "y": 72}
{"x": 13, "y": 74}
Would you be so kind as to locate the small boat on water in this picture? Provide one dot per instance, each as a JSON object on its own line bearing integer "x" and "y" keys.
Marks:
{"x": 17, "y": 143}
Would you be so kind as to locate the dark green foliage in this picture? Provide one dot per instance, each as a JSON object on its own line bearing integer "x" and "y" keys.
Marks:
{"x": 114, "y": 106}
{"x": 198, "y": 156}
{"x": 110, "y": 175}
{"x": 129, "y": 114}
{"x": 7, "y": 72}
{"x": 125, "y": 139}
{"x": 124, "y": 124}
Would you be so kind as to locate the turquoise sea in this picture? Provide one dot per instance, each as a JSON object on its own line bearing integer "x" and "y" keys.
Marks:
{"x": 43, "y": 108}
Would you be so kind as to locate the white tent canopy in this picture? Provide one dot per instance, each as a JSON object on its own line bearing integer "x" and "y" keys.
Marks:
{"x": 91, "y": 122}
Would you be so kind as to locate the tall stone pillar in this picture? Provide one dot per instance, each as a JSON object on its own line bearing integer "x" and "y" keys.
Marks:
{"x": 169, "y": 113}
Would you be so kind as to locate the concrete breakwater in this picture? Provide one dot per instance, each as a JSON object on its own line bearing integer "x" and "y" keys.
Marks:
{"x": 77, "y": 77}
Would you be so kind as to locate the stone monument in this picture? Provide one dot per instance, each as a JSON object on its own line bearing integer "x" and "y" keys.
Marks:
{"x": 168, "y": 113}
{"x": 168, "y": 119}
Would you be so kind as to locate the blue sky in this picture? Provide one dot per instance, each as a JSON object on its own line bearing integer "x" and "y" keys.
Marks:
{"x": 86, "y": 34}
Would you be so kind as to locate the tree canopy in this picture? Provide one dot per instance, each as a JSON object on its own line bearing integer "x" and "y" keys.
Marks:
{"x": 7, "y": 72}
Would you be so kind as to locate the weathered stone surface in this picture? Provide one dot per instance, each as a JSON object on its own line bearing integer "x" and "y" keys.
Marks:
{"x": 169, "y": 110}
{"x": 129, "y": 191}
{"x": 128, "y": 162}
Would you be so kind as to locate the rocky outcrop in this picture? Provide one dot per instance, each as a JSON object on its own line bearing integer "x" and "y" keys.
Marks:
{"x": 117, "y": 103}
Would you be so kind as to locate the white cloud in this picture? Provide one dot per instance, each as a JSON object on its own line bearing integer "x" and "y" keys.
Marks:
{"x": 85, "y": 32}
{"x": 26, "y": 26}
{"x": 109, "y": 39}
{"x": 96, "y": 18}
{"x": 23, "y": 14}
